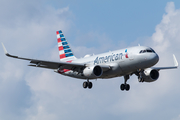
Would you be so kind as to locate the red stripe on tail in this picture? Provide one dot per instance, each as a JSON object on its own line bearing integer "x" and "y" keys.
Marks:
{"x": 62, "y": 56}
{"x": 59, "y": 40}
{"x": 61, "y": 48}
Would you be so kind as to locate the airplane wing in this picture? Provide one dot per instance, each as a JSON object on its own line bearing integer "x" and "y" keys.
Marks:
{"x": 171, "y": 67}
{"x": 54, "y": 65}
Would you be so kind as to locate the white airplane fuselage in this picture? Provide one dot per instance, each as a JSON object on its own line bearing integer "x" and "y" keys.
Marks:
{"x": 123, "y": 62}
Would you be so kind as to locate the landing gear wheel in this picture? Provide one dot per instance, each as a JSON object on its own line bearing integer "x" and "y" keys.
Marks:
{"x": 85, "y": 84}
{"x": 90, "y": 85}
{"x": 127, "y": 87}
{"x": 122, "y": 87}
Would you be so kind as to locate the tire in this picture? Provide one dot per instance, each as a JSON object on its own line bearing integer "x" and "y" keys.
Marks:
{"x": 122, "y": 87}
{"x": 85, "y": 84}
{"x": 90, "y": 85}
{"x": 127, "y": 87}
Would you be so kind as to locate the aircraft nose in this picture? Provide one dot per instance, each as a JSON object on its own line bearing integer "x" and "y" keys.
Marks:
{"x": 155, "y": 58}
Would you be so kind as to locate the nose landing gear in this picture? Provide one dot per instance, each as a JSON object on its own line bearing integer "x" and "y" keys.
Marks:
{"x": 140, "y": 75}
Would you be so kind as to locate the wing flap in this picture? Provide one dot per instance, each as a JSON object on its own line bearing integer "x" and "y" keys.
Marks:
{"x": 42, "y": 66}
{"x": 55, "y": 65}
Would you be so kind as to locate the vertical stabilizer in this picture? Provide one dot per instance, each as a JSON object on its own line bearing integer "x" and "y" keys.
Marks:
{"x": 65, "y": 52}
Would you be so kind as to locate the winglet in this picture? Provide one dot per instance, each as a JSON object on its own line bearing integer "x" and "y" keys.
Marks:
{"x": 175, "y": 61}
{"x": 9, "y": 55}
{"x": 5, "y": 51}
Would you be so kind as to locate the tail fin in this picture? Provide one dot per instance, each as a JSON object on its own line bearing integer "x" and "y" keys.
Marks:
{"x": 65, "y": 52}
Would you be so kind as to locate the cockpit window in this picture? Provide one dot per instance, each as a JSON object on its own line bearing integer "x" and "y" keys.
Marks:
{"x": 152, "y": 50}
{"x": 147, "y": 51}
{"x": 142, "y": 51}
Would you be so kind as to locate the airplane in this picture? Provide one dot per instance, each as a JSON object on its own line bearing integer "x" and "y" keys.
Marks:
{"x": 138, "y": 60}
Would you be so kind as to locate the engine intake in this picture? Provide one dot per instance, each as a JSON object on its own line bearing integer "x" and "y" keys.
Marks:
{"x": 93, "y": 72}
{"x": 150, "y": 75}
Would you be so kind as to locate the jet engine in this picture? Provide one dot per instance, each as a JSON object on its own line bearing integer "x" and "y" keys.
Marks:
{"x": 93, "y": 72}
{"x": 150, "y": 75}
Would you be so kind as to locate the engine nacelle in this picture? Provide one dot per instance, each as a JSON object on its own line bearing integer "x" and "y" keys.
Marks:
{"x": 150, "y": 75}
{"x": 93, "y": 72}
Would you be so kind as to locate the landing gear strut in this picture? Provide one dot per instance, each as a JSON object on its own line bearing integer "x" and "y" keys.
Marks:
{"x": 140, "y": 78}
{"x": 125, "y": 86}
{"x": 87, "y": 84}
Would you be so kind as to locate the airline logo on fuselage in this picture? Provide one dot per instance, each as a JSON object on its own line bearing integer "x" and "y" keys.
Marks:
{"x": 126, "y": 54}
{"x": 110, "y": 58}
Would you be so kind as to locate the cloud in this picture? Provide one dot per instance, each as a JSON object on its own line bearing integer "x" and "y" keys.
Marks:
{"x": 31, "y": 93}
{"x": 27, "y": 28}
{"x": 167, "y": 32}
{"x": 31, "y": 25}
{"x": 160, "y": 96}
{"x": 90, "y": 43}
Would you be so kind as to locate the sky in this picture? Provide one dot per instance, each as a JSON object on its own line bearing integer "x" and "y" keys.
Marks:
{"x": 28, "y": 29}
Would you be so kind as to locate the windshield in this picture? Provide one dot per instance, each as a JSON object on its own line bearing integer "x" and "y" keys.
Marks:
{"x": 150, "y": 50}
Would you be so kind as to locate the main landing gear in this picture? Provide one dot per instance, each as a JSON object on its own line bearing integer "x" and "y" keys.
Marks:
{"x": 87, "y": 84}
{"x": 125, "y": 86}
